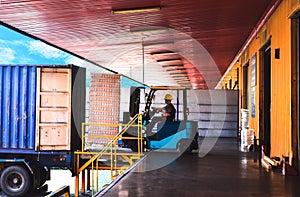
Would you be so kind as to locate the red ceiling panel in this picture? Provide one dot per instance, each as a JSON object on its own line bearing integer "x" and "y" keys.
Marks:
{"x": 83, "y": 27}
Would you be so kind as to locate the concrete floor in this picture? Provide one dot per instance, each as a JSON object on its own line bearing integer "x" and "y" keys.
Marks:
{"x": 224, "y": 171}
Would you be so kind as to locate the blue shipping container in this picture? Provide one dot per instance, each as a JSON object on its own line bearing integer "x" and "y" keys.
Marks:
{"x": 18, "y": 106}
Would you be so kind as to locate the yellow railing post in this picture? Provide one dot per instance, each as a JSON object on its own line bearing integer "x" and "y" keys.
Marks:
{"x": 77, "y": 185}
{"x": 83, "y": 136}
{"x": 77, "y": 176}
{"x": 139, "y": 134}
{"x": 93, "y": 179}
{"x": 115, "y": 159}
{"x": 83, "y": 182}
{"x": 111, "y": 164}
{"x": 97, "y": 175}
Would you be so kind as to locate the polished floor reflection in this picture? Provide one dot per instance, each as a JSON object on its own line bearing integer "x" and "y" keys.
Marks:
{"x": 224, "y": 171}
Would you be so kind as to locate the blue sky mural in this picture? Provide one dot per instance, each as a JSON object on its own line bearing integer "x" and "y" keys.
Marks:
{"x": 16, "y": 48}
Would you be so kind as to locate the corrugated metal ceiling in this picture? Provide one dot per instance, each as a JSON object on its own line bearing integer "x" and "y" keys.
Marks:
{"x": 205, "y": 34}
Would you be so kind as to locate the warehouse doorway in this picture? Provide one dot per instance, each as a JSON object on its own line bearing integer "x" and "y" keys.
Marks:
{"x": 298, "y": 89}
{"x": 265, "y": 97}
{"x": 295, "y": 88}
{"x": 295, "y": 85}
{"x": 245, "y": 92}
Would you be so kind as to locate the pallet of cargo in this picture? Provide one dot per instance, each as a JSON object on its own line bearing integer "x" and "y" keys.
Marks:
{"x": 104, "y": 107}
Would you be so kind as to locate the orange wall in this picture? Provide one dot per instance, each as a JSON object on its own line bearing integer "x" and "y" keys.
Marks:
{"x": 278, "y": 29}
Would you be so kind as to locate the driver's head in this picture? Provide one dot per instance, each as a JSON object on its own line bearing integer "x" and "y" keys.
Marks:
{"x": 168, "y": 98}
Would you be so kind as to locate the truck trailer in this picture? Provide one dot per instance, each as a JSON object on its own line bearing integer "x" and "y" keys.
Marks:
{"x": 41, "y": 115}
{"x": 42, "y": 108}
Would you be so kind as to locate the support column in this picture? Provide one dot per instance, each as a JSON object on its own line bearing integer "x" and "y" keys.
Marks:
{"x": 184, "y": 104}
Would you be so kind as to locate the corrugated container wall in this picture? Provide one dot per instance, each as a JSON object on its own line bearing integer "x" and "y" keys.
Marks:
{"x": 18, "y": 106}
{"x": 34, "y": 118}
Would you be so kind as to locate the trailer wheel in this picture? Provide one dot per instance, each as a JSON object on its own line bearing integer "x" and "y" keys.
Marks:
{"x": 15, "y": 181}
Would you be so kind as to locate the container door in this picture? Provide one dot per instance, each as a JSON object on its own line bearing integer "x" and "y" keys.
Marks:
{"x": 54, "y": 109}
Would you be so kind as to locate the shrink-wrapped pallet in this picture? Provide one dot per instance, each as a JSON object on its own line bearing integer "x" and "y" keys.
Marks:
{"x": 247, "y": 139}
{"x": 244, "y": 118}
{"x": 104, "y": 109}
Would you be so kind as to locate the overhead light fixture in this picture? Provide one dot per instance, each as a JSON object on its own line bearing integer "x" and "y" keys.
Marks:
{"x": 169, "y": 60}
{"x": 178, "y": 73}
{"x": 173, "y": 66}
{"x": 180, "y": 76}
{"x": 157, "y": 43}
{"x": 148, "y": 29}
{"x": 182, "y": 79}
{"x": 161, "y": 53}
{"x": 136, "y": 10}
{"x": 175, "y": 69}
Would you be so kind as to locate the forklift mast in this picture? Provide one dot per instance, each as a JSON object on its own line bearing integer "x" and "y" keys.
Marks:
{"x": 146, "y": 112}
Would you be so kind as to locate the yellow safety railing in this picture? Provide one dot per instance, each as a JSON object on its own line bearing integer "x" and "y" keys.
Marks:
{"x": 110, "y": 150}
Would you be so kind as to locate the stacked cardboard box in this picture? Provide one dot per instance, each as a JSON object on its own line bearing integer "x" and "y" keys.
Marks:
{"x": 104, "y": 109}
{"x": 247, "y": 135}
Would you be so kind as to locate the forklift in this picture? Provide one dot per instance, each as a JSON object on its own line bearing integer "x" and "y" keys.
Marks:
{"x": 180, "y": 135}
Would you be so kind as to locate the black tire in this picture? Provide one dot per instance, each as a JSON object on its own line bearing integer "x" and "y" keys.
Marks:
{"x": 15, "y": 181}
{"x": 194, "y": 144}
{"x": 184, "y": 146}
{"x": 189, "y": 149}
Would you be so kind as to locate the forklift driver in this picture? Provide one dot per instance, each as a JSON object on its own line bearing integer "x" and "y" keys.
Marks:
{"x": 168, "y": 114}
{"x": 169, "y": 110}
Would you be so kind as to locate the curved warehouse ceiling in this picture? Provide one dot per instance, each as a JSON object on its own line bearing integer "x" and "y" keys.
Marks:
{"x": 157, "y": 42}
